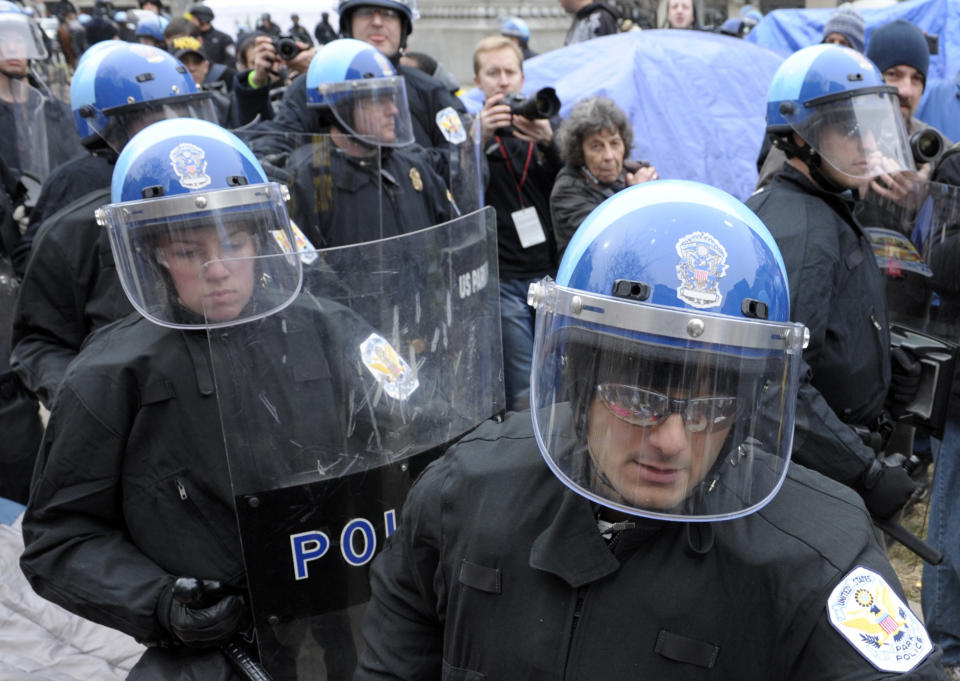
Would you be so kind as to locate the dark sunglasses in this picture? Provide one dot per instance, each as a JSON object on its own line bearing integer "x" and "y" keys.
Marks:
{"x": 646, "y": 408}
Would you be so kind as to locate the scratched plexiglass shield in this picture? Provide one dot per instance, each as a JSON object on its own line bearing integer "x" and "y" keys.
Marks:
{"x": 916, "y": 240}
{"x": 337, "y": 192}
{"x": 332, "y": 406}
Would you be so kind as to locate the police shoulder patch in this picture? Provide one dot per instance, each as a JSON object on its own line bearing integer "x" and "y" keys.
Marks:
{"x": 873, "y": 619}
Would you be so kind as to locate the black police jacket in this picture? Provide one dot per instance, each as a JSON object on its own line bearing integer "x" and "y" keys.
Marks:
{"x": 498, "y": 571}
{"x": 219, "y": 47}
{"x": 837, "y": 291}
{"x": 68, "y": 182}
{"x": 70, "y": 289}
{"x": 132, "y": 486}
{"x": 365, "y": 200}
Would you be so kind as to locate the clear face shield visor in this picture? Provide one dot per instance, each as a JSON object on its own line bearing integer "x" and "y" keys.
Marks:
{"x": 20, "y": 38}
{"x": 117, "y": 125}
{"x": 861, "y": 136}
{"x": 374, "y": 110}
{"x": 204, "y": 259}
{"x": 634, "y": 412}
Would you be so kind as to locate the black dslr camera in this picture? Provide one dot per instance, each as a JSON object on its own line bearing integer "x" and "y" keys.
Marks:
{"x": 286, "y": 47}
{"x": 925, "y": 145}
{"x": 544, "y": 104}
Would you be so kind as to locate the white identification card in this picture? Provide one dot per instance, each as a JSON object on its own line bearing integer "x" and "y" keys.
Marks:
{"x": 528, "y": 227}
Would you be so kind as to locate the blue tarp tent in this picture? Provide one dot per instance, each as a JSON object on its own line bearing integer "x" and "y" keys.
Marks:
{"x": 696, "y": 100}
{"x": 788, "y": 30}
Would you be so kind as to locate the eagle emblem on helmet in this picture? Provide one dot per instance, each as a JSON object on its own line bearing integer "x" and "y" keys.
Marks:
{"x": 703, "y": 260}
{"x": 190, "y": 164}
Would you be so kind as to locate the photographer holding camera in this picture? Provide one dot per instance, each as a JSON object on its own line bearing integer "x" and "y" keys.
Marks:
{"x": 278, "y": 60}
{"x": 523, "y": 162}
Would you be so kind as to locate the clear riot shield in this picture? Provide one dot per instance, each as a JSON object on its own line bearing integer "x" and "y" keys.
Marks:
{"x": 464, "y": 161}
{"x": 916, "y": 240}
{"x": 32, "y": 139}
{"x": 336, "y": 197}
{"x": 332, "y": 406}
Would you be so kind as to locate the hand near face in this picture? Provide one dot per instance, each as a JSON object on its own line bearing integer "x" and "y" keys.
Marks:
{"x": 895, "y": 185}
{"x": 301, "y": 63}
{"x": 263, "y": 59}
{"x": 493, "y": 116}
{"x": 642, "y": 175}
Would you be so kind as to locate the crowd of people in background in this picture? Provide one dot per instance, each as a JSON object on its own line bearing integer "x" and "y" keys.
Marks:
{"x": 372, "y": 142}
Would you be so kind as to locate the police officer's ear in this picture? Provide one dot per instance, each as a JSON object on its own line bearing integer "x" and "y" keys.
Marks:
{"x": 799, "y": 141}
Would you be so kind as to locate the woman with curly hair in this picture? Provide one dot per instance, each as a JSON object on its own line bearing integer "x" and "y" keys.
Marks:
{"x": 594, "y": 142}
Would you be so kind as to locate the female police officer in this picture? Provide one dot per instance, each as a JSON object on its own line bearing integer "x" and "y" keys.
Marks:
{"x": 671, "y": 539}
{"x": 131, "y": 489}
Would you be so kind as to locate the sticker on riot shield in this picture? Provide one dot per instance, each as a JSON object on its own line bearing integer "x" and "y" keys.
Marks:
{"x": 894, "y": 253}
{"x": 392, "y": 373}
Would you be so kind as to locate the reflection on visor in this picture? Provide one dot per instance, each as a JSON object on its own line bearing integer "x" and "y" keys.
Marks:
{"x": 189, "y": 250}
{"x": 646, "y": 408}
{"x": 123, "y": 125}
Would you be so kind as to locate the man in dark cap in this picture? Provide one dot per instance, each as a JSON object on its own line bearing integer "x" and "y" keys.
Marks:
{"x": 217, "y": 45}
{"x": 900, "y": 51}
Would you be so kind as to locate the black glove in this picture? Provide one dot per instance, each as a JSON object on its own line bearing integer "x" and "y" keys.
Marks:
{"x": 886, "y": 487}
{"x": 905, "y": 372}
{"x": 205, "y": 624}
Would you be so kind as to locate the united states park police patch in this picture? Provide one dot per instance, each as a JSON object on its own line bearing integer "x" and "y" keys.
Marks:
{"x": 876, "y": 622}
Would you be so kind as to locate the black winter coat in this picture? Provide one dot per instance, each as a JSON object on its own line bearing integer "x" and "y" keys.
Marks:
{"x": 498, "y": 571}
{"x": 837, "y": 291}
{"x": 132, "y": 487}
{"x": 70, "y": 289}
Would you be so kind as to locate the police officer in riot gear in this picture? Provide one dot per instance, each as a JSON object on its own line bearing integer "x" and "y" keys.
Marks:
{"x": 380, "y": 183}
{"x": 37, "y": 135}
{"x": 132, "y": 487}
{"x": 217, "y": 45}
{"x": 70, "y": 287}
{"x": 668, "y": 525}
{"x": 829, "y": 110}
{"x": 384, "y": 24}
{"x": 36, "y": 138}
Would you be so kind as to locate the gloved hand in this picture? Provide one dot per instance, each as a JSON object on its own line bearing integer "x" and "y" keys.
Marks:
{"x": 208, "y": 623}
{"x": 886, "y": 487}
{"x": 905, "y": 372}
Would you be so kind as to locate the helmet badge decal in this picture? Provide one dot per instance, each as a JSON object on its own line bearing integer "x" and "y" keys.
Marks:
{"x": 190, "y": 164}
{"x": 703, "y": 260}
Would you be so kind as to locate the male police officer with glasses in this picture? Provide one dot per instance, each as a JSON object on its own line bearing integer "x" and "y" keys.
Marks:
{"x": 668, "y": 530}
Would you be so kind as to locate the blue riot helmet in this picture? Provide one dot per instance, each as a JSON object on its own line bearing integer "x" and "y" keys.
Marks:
{"x": 665, "y": 365}
{"x": 355, "y": 88}
{"x": 20, "y": 36}
{"x": 119, "y": 90}
{"x": 406, "y": 9}
{"x": 193, "y": 224}
{"x": 514, "y": 27}
{"x": 150, "y": 29}
{"x": 836, "y": 101}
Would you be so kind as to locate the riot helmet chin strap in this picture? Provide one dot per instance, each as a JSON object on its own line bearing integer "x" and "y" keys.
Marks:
{"x": 811, "y": 158}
